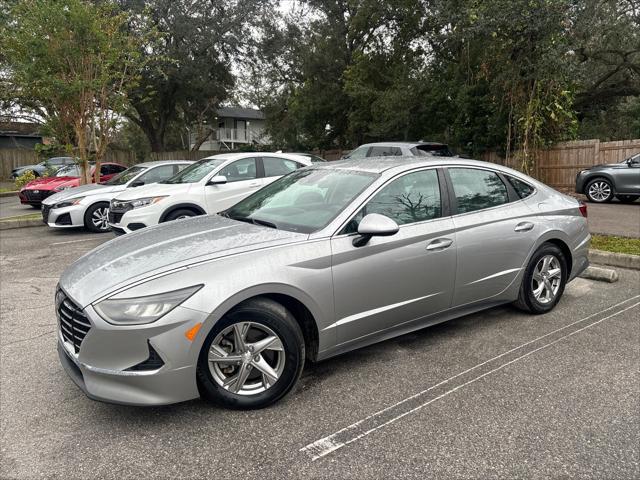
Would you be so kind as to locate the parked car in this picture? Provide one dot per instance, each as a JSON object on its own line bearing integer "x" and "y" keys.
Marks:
{"x": 330, "y": 258}
{"x": 312, "y": 157}
{"x": 207, "y": 186}
{"x": 88, "y": 205}
{"x": 53, "y": 164}
{"x": 33, "y": 193}
{"x": 399, "y": 149}
{"x": 603, "y": 182}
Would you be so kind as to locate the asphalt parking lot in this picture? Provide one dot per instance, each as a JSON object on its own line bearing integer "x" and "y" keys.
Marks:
{"x": 498, "y": 394}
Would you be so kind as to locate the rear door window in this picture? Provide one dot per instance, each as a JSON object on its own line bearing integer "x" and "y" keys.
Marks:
{"x": 477, "y": 189}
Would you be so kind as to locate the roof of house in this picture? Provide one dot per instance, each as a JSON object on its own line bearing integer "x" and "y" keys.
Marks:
{"x": 19, "y": 129}
{"x": 239, "y": 112}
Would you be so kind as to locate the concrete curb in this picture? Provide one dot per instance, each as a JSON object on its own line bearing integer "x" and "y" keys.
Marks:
{"x": 8, "y": 194}
{"x": 600, "y": 274}
{"x": 11, "y": 224}
{"x": 623, "y": 260}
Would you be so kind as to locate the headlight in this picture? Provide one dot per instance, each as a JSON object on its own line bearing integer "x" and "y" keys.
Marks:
{"x": 144, "y": 202}
{"x": 141, "y": 310}
{"x": 68, "y": 203}
{"x": 61, "y": 188}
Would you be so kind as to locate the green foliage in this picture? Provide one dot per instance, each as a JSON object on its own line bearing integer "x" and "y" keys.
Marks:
{"x": 74, "y": 76}
{"x": 25, "y": 178}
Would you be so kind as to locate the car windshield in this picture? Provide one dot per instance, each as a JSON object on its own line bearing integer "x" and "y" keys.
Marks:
{"x": 196, "y": 172}
{"x": 125, "y": 176}
{"x": 303, "y": 201}
{"x": 68, "y": 171}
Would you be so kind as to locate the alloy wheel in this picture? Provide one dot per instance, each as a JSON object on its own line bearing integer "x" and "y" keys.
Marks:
{"x": 100, "y": 218}
{"x": 600, "y": 191}
{"x": 246, "y": 358}
{"x": 547, "y": 278}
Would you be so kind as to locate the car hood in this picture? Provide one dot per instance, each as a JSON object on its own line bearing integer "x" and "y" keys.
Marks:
{"x": 156, "y": 250}
{"x": 26, "y": 167}
{"x": 48, "y": 183}
{"x": 606, "y": 166}
{"x": 155, "y": 189}
{"x": 82, "y": 191}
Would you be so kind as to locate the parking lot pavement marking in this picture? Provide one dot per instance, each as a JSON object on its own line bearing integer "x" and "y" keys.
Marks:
{"x": 324, "y": 446}
{"x": 77, "y": 241}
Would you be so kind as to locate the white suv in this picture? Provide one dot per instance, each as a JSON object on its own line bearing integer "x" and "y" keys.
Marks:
{"x": 208, "y": 186}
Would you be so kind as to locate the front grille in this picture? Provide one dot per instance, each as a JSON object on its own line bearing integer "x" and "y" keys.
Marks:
{"x": 74, "y": 325}
{"x": 45, "y": 213}
{"x": 32, "y": 196}
{"x": 115, "y": 217}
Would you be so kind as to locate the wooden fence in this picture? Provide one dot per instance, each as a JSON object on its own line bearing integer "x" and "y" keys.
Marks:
{"x": 556, "y": 166}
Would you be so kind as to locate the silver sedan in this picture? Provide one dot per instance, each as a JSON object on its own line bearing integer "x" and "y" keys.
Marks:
{"x": 327, "y": 259}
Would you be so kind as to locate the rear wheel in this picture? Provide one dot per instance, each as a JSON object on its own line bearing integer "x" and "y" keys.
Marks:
{"x": 252, "y": 357}
{"x": 96, "y": 218}
{"x": 626, "y": 198}
{"x": 543, "y": 281}
{"x": 179, "y": 214}
{"x": 599, "y": 190}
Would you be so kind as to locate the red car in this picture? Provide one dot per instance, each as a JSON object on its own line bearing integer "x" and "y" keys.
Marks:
{"x": 34, "y": 192}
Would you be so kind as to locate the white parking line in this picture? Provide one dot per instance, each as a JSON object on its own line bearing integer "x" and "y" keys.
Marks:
{"x": 324, "y": 446}
{"x": 77, "y": 241}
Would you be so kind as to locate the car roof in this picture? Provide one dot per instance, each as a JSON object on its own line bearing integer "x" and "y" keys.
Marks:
{"x": 240, "y": 155}
{"x": 382, "y": 164}
{"x": 401, "y": 144}
{"x": 155, "y": 163}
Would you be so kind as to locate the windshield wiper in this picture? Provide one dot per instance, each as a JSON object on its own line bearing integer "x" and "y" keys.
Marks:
{"x": 264, "y": 223}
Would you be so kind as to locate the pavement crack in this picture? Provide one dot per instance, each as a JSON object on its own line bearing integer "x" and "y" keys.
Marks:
{"x": 22, "y": 340}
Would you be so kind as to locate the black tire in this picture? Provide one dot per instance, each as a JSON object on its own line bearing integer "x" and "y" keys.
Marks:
{"x": 180, "y": 213}
{"x": 599, "y": 184}
{"x": 527, "y": 300}
{"x": 626, "y": 198}
{"x": 37, "y": 207}
{"x": 91, "y": 220}
{"x": 275, "y": 317}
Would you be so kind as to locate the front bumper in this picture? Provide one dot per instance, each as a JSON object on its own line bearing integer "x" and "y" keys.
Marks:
{"x": 102, "y": 366}
{"x": 67, "y": 217}
{"x": 129, "y": 221}
{"x": 34, "y": 197}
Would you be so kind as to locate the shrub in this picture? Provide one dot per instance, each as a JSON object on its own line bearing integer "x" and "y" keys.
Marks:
{"x": 25, "y": 178}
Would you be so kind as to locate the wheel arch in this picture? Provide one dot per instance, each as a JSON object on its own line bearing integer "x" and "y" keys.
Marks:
{"x": 596, "y": 176}
{"x": 182, "y": 206}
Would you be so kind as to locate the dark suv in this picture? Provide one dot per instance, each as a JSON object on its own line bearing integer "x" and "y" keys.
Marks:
{"x": 603, "y": 182}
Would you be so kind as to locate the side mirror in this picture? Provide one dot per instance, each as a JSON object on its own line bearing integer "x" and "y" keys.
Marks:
{"x": 217, "y": 180}
{"x": 374, "y": 225}
{"x": 137, "y": 183}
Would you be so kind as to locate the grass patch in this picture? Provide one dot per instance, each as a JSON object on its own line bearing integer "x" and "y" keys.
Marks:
{"x": 29, "y": 216}
{"x": 616, "y": 244}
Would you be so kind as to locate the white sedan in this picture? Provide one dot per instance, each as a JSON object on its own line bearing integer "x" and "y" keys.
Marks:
{"x": 208, "y": 186}
{"x": 88, "y": 205}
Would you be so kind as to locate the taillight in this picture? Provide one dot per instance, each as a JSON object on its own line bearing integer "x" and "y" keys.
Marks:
{"x": 583, "y": 209}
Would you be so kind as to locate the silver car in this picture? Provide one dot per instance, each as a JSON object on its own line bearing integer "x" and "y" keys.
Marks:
{"x": 329, "y": 258}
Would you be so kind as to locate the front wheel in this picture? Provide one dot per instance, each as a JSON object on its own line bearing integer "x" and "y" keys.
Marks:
{"x": 599, "y": 191}
{"x": 543, "y": 281}
{"x": 252, "y": 357}
{"x": 180, "y": 214}
{"x": 626, "y": 198}
{"x": 96, "y": 218}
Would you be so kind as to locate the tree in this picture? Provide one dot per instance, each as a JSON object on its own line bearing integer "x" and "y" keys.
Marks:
{"x": 189, "y": 72}
{"x": 74, "y": 77}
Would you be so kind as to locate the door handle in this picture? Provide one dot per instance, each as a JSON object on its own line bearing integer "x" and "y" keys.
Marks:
{"x": 523, "y": 227}
{"x": 439, "y": 244}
